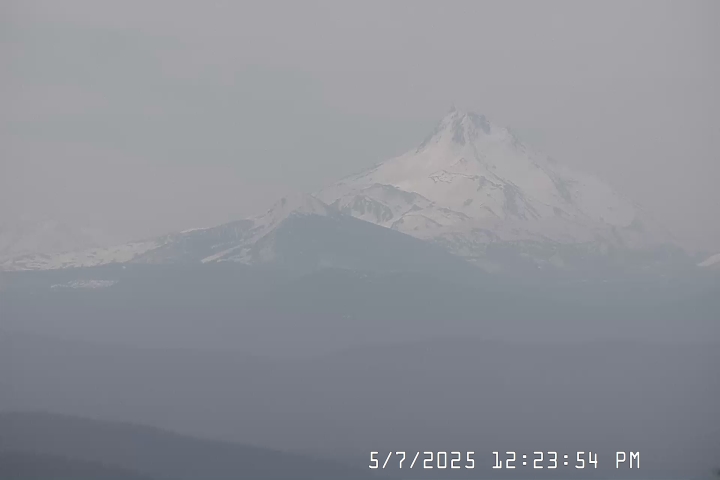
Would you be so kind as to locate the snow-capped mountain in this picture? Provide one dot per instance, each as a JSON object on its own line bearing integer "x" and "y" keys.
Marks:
{"x": 469, "y": 188}
{"x": 472, "y": 183}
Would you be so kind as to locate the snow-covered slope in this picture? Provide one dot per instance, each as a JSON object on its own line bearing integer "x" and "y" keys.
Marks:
{"x": 233, "y": 241}
{"x": 298, "y": 233}
{"x": 711, "y": 262}
{"x": 471, "y": 183}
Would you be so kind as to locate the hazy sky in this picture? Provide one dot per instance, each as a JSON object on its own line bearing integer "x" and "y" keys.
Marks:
{"x": 141, "y": 117}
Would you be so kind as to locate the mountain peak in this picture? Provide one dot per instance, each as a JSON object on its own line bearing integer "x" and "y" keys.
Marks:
{"x": 461, "y": 126}
{"x": 472, "y": 182}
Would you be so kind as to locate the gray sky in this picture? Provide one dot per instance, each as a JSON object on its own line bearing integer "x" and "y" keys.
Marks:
{"x": 141, "y": 117}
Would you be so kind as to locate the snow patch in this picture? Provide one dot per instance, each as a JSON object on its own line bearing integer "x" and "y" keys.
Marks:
{"x": 88, "y": 258}
{"x": 89, "y": 284}
{"x": 713, "y": 260}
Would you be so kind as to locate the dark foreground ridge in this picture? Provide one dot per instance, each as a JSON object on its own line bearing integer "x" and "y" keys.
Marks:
{"x": 46, "y": 446}
{"x": 33, "y": 466}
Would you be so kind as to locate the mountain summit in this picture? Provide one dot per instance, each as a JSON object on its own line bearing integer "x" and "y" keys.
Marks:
{"x": 472, "y": 183}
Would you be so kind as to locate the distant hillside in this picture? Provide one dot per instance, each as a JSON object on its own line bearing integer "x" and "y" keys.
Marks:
{"x": 473, "y": 395}
{"x": 153, "y": 452}
{"x": 32, "y": 466}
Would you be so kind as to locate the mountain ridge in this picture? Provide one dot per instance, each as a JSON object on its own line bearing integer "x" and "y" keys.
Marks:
{"x": 298, "y": 233}
{"x": 470, "y": 187}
